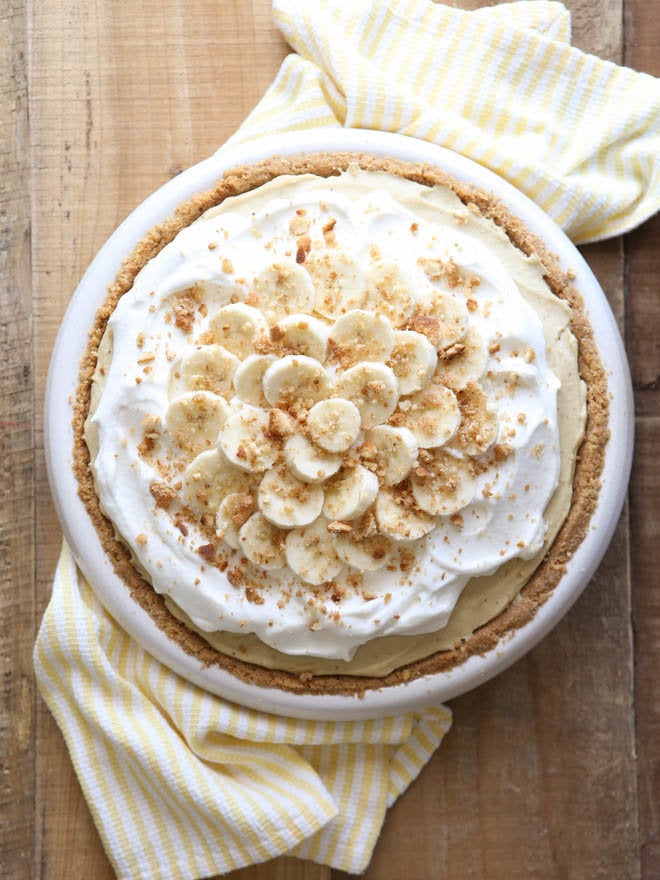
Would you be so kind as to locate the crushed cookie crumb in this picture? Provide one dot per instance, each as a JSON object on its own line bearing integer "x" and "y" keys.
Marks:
{"x": 163, "y": 494}
{"x": 304, "y": 247}
{"x": 299, "y": 224}
{"x": 338, "y": 528}
{"x": 184, "y": 307}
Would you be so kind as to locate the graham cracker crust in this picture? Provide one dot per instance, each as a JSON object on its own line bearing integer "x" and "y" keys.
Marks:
{"x": 589, "y": 464}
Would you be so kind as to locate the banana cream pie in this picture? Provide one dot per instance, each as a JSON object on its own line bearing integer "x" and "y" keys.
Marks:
{"x": 340, "y": 423}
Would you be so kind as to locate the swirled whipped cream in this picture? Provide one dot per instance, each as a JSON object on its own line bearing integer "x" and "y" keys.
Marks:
{"x": 318, "y": 414}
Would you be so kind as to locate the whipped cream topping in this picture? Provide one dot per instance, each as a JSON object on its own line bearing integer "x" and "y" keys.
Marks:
{"x": 321, "y": 415}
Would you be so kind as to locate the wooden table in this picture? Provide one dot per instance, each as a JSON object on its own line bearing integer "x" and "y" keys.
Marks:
{"x": 550, "y": 771}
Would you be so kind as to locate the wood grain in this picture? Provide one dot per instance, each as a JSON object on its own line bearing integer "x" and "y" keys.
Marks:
{"x": 538, "y": 777}
{"x": 642, "y": 250}
{"x": 16, "y": 452}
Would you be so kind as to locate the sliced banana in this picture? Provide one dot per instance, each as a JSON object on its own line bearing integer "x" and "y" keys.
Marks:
{"x": 374, "y": 390}
{"x": 194, "y": 420}
{"x": 365, "y": 554}
{"x": 288, "y": 502}
{"x": 296, "y": 381}
{"x": 307, "y": 462}
{"x": 301, "y": 334}
{"x": 248, "y": 378}
{"x": 479, "y": 424}
{"x": 262, "y": 543}
{"x": 413, "y": 360}
{"x": 394, "y": 452}
{"x": 219, "y": 291}
{"x": 463, "y": 362}
{"x": 311, "y": 553}
{"x": 443, "y": 483}
{"x": 350, "y": 493}
{"x": 440, "y": 316}
{"x": 282, "y": 289}
{"x": 209, "y": 368}
{"x": 390, "y": 291}
{"x": 236, "y": 326}
{"x": 334, "y": 424}
{"x": 433, "y": 415}
{"x": 209, "y": 478}
{"x": 338, "y": 282}
{"x": 398, "y": 519}
{"x": 247, "y": 441}
{"x": 362, "y": 336}
{"x": 234, "y": 510}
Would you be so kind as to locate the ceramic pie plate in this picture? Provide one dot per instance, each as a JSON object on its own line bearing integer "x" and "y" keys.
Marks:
{"x": 84, "y": 541}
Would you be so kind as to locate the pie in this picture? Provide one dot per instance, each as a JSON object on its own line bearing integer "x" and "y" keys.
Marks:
{"x": 340, "y": 423}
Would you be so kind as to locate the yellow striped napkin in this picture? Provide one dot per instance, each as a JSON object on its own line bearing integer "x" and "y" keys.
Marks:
{"x": 580, "y": 136}
{"x": 182, "y": 784}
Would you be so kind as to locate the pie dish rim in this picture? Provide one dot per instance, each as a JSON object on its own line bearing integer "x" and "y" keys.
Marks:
{"x": 63, "y": 377}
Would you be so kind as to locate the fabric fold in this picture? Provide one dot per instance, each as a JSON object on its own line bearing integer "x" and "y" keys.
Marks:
{"x": 580, "y": 136}
{"x": 182, "y": 783}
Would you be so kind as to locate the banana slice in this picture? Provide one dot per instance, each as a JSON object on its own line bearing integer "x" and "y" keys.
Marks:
{"x": 235, "y": 327}
{"x": 219, "y": 291}
{"x": 194, "y": 420}
{"x": 308, "y": 463}
{"x": 247, "y": 441}
{"x": 397, "y": 517}
{"x": 479, "y": 424}
{"x": 234, "y": 510}
{"x": 248, "y": 378}
{"x": 443, "y": 483}
{"x": 390, "y": 291}
{"x": 394, "y": 452}
{"x": 301, "y": 334}
{"x": 209, "y": 368}
{"x": 433, "y": 416}
{"x": 311, "y": 553}
{"x": 361, "y": 336}
{"x": 463, "y": 362}
{"x": 262, "y": 543}
{"x": 209, "y": 478}
{"x": 350, "y": 493}
{"x": 413, "y": 360}
{"x": 440, "y": 316}
{"x": 282, "y": 289}
{"x": 288, "y": 502}
{"x": 333, "y": 424}
{"x": 365, "y": 554}
{"x": 374, "y": 390}
{"x": 296, "y": 381}
{"x": 338, "y": 282}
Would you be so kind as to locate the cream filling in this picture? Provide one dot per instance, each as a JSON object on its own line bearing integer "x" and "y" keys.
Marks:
{"x": 484, "y": 597}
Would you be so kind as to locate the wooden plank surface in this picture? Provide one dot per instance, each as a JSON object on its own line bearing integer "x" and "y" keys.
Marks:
{"x": 538, "y": 777}
{"x": 642, "y": 252}
{"x": 16, "y": 444}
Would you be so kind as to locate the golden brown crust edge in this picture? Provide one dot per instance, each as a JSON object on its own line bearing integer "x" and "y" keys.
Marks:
{"x": 589, "y": 465}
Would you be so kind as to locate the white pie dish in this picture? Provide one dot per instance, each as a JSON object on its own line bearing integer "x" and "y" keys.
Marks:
{"x": 82, "y": 536}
